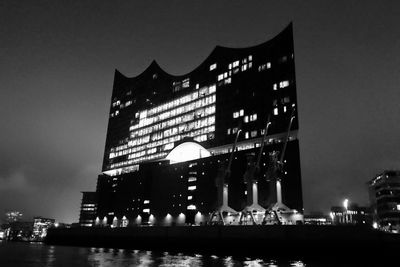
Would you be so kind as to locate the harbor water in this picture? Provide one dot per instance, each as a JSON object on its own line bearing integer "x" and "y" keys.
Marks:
{"x": 24, "y": 254}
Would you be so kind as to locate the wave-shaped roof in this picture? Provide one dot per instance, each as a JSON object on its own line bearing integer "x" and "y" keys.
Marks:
{"x": 155, "y": 67}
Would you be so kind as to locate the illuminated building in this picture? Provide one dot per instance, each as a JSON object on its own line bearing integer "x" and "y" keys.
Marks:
{"x": 40, "y": 227}
{"x": 384, "y": 194}
{"x": 168, "y": 135}
{"x": 317, "y": 218}
{"x": 352, "y": 214}
{"x": 88, "y": 211}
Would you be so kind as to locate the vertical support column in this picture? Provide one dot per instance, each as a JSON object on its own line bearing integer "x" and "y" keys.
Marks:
{"x": 278, "y": 191}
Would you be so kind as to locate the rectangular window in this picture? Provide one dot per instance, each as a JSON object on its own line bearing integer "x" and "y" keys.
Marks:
{"x": 213, "y": 66}
{"x": 228, "y": 132}
{"x": 283, "y": 84}
{"x": 220, "y": 77}
{"x": 246, "y": 135}
{"x": 246, "y": 119}
{"x": 241, "y": 112}
{"x": 275, "y": 87}
{"x": 284, "y": 109}
{"x": 190, "y": 197}
{"x": 235, "y": 64}
{"x": 253, "y": 133}
{"x": 235, "y": 115}
{"x": 275, "y": 111}
{"x": 192, "y": 179}
{"x": 192, "y": 188}
{"x": 268, "y": 65}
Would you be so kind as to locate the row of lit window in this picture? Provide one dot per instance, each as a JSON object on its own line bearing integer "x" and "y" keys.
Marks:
{"x": 264, "y": 66}
{"x": 282, "y": 84}
{"x": 181, "y": 129}
{"x": 179, "y": 101}
{"x": 189, "y": 115}
{"x": 199, "y": 136}
{"x": 157, "y": 127}
{"x": 134, "y": 161}
{"x": 175, "y": 112}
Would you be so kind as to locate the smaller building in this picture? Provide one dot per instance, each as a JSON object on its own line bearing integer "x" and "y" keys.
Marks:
{"x": 317, "y": 218}
{"x": 351, "y": 214}
{"x": 384, "y": 194}
{"x": 40, "y": 227}
{"x": 20, "y": 231}
{"x": 88, "y": 211}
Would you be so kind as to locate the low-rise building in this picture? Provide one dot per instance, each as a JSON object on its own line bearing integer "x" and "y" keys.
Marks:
{"x": 351, "y": 214}
{"x": 40, "y": 227}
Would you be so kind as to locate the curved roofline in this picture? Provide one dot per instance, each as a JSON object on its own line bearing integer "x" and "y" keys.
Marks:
{"x": 154, "y": 64}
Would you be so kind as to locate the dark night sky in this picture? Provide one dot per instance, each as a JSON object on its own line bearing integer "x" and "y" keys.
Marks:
{"x": 57, "y": 61}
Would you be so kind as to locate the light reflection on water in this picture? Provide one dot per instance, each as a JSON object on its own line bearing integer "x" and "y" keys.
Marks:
{"x": 32, "y": 255}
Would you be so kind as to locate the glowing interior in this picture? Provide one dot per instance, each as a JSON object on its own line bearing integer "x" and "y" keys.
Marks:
{"x": 187, "y": 151}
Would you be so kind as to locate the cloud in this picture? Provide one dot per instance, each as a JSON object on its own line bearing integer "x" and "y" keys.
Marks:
{"x": 16, "y": 181}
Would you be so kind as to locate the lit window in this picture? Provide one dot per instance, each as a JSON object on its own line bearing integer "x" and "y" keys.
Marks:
{"x": 398, "y": 206}
{"x": 275, "y": 87}
{"x": 246, "y": 135}
{"x": 236, "y": 64}
{"x": 283, "y": 84}
{"x": 253, "y": 117}
{"x": 186, "y": 83}
{"x": 190, "y": 197}
{"x": 284, "y": 109}
{"x": 241, "y": 112}
{"x": 191, "y": 207}
{"x": 227, "y": 132}
{"x": 250, "y": 57}
{"x": 146, "y": 210}
{"x": 230, "y": 66}
{"x": 213, "y": 66}
{"x": 234, "y": 130}
{"x": 235, "y": 115}
{"x": 146, "y": 201}
{"x": 197, "y": 86}
{"x": 246, "y": 119}
{"x": 116, "y": 113}
{"x": 192, "y": 179}
{"x": 253, "y": 134}
{"x": 268, "y": 65}
{"x": 275, "y": 111}
{"x": 244, "y": 67}
{"x": 192, "y": 188}
{"x": 220, "y": 77}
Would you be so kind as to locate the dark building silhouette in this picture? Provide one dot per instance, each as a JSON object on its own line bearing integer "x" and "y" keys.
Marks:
{"x": 168, "y": 135}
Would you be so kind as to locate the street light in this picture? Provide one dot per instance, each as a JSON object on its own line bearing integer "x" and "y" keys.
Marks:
{"x": 345, "y": 205}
